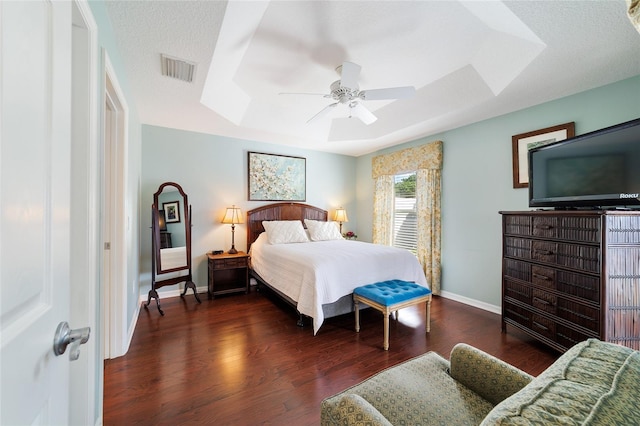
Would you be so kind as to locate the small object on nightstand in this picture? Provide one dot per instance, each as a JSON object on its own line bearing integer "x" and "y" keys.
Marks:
{"x": 228, "y": 273}
{"x": 215, "y": 252}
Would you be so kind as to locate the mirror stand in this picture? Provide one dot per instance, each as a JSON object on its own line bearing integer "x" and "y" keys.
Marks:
{"x": 165, "y": 258}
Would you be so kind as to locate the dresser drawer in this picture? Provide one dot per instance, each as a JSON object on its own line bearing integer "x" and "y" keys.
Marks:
{"x": 544, "y": 301}
{"x": 575, "y": 256}
{"x": 517, "y": 269}
{"x": 517, "y": 247}
{"x": 229, "y": 263}
{"x": 579, "y": 257}
{"x": 579, "y": 314}
{"x": 545, "y": 227}
{"x": 544, "y": 251}
{"x": 517, "y": 314}
{"x": 584, "y": 286}
{"x": 521, "y": 292}
{"x": 517, "y": 225}
{"x": 580, "y": 229}
{"x": 544, "y": 326}
{"x": 568, "y": 337}
{"x": 543, "y": 277}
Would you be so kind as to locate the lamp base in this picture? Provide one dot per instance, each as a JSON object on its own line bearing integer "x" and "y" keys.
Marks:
{"x": 232, "y": 250}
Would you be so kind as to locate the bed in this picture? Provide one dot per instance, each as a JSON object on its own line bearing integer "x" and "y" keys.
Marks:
{"x": 318, "y": 277}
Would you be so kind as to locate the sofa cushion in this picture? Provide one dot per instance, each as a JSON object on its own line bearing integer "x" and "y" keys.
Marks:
{"x": 418, "y": 391}
{"x": 486, "y": 375}
{"x": 355, "y": 410}
{"x": 594, "y": 383}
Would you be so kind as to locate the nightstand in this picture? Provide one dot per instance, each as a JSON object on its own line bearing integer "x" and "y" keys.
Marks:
{"x": 228, "y": 273}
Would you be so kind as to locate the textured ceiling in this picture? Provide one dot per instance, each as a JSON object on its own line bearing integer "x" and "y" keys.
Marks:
{"x": 468, "y": 61}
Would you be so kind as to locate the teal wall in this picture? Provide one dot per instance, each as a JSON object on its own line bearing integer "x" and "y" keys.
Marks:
{"x": 477, "y": 183}
{"x": 212, "y": 171}
{"x": 108, "y": 45}
{"x": 107, "y": 42}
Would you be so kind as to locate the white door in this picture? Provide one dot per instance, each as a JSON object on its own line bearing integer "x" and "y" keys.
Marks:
{"x": 35, "y": 122}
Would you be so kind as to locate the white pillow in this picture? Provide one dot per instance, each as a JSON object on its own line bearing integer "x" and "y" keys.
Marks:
{"x": 285, "y": 231}
{"x": 322, "y": 231}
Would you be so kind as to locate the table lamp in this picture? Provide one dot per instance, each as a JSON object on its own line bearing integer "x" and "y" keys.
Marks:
{"x": 233, "y": 215}
{"x": 341, "y": 216}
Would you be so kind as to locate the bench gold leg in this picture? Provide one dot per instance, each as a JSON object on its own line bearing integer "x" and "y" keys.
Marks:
{"x": 386, "y": 331}
{"x": 357, "y": 317}
{"x": 428, "y": 325}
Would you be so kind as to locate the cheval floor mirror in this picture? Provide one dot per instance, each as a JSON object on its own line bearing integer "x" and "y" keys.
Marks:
{"x": 171, "y": 241}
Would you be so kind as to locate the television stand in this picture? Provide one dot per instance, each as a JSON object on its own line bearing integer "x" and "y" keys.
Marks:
{"x": 571, "y": 275}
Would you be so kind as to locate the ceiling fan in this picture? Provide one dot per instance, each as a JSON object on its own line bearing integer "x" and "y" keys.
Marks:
{"x": 346, "y": 92}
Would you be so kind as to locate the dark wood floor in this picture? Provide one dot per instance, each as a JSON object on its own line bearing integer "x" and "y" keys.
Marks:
{"x": 242, "y": 360}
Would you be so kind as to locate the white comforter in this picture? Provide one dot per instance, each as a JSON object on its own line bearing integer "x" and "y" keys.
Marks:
{"x": 175, "y": 257}
{"x": 321, "y": 272}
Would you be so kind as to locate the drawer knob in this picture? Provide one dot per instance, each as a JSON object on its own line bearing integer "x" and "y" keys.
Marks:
{"x": 537, "y": 324}
{"x": 544, "y": 252}
{"x": 541, "y": 277}
{"x": 544, "y": 302}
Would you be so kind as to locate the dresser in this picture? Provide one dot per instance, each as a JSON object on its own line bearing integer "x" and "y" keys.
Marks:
{"x": 571, "y": 275}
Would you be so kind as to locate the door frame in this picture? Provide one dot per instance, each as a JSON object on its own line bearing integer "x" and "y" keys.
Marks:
{"x": 114, "y": 292}
{"x": 86, "y": 374}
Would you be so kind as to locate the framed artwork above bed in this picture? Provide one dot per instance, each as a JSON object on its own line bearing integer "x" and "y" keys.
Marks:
{"x": 275, "y": 177}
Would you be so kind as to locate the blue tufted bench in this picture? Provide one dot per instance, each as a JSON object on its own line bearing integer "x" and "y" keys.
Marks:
{"x": 389, "y": 296}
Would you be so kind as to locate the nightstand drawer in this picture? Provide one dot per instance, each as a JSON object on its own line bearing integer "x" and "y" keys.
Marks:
{"x": 230, "y": 263}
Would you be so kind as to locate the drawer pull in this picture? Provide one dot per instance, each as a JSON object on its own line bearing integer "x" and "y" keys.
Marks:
{"x": 537, "y": 324}
{"x": 544, "y": 302}
{"x": 541, "y": 277}
{"x": 544, "y": 227}
{"x": 544, "y": 252}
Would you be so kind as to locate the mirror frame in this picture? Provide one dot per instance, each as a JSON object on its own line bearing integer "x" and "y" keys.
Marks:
{"x": 156, "y": 228}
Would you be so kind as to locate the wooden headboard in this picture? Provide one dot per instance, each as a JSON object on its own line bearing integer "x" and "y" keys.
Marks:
{"x": 279, "y": 211}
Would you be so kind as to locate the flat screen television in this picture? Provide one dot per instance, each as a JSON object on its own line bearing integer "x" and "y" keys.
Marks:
{"x": 600, "y": 170}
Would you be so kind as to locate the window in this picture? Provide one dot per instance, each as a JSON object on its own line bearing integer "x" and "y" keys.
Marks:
{"x": 405, "y": 218}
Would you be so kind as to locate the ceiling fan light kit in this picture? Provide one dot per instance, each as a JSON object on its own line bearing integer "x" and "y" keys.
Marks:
{"x": 347, "y": 92}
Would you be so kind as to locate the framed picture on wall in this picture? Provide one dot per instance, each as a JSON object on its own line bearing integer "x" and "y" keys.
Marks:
{"x": 275, "y": 177}
{"x": 171, "y": 211}
{"x": 522, "y": 143}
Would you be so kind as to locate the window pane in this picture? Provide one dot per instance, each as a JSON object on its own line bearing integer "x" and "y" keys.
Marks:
{"x": 405, "y": 226}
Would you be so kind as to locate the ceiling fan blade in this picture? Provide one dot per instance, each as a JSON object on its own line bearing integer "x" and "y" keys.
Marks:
{"x": 299, "y": 93}
{"x": 388, "y": 93}
{"x": 322, "y": 112}
{"x": 349, "y": 75}
{"x": 363, "y": 114}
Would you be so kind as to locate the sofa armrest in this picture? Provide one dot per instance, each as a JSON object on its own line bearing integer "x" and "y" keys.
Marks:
{"x": 351, "y": 409}
{"x": 486, "y": 375}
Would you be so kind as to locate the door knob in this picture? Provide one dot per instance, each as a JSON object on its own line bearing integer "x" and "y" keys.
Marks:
{"x": 65, "y": 336}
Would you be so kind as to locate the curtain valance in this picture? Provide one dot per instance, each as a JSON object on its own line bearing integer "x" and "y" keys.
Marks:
{"x": 424, "y": 157}
{"x": 633, "y": 12}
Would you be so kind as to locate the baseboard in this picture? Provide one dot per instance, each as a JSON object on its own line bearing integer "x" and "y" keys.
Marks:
{"x": 472, "y": 302}
{"x": 168, "y": 293}
{"x": 132, "y": 328}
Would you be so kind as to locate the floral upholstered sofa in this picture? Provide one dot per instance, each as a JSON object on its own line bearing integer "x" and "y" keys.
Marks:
{"x": 593, "y": 383}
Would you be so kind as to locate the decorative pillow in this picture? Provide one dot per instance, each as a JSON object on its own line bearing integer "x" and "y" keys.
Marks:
{"x": 322, "y": 231}
{"x": 285, "y": 231}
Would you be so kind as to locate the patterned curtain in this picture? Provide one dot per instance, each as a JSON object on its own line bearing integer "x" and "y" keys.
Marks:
{"x": 633, "y": 12}
{"x": 426, "y": 160}
{"x": 428, "y": 207}
{"x": 383, "y": 210}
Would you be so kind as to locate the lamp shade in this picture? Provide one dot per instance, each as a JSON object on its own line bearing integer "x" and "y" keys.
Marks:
{"x": 341, "y": 215}
{"x": 233, "y": 215}
{"x": 162, "y": 220}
